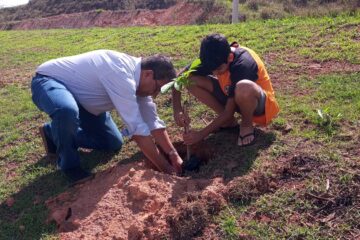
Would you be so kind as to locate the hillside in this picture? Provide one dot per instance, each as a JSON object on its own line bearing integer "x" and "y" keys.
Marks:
{"x": 97, "y": 14}
{"x": 46, "y": 14}
{"x": 179, "y": 14}
{"x": 46, "y": 8}
{"x": 300, "y": 180}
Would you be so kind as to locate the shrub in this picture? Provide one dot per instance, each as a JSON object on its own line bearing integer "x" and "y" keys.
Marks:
{"x": 300, "y": 3}
{"x": 253, "y": 5}
{"x": 242, "y": 17}
{"x": 327, "y": 120}
{"x": 288, "y": 7}
{"x": 327, "y": 1}
{"x": 265, "y": 14}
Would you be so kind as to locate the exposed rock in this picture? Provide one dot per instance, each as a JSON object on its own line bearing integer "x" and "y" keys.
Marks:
{"x": 180, "y": 14}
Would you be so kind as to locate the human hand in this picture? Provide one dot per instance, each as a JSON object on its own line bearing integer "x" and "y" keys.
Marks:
{"x": 176, "y": 162}
{"x": 181, "y": 119}
{"x": 192, "y": 137}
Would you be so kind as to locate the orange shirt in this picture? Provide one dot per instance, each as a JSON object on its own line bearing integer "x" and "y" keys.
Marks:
{"x": 248, "y": 65}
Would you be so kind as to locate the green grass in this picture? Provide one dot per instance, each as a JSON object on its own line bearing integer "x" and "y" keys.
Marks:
{"x": 337, "y": 97}
{"x": 17, "y": 101}
{"x": 265, "y": 9}
{"x": 228, "y": 224}
{"x": 21, "y": 48}
{"x": 27, "y": 176}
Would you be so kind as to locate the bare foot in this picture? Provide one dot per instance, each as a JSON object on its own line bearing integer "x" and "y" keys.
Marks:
{"x": 246, "y": 135}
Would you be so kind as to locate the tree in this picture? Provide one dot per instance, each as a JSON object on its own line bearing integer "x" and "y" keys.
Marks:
{"x": 235, "y": 11}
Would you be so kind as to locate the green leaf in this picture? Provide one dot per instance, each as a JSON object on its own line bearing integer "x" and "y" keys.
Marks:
{"x": 319, "y": 112}
{"x": 183, "y": 80}
{"x": 178, "y": 86}
{"x": 195, "y": 63}
{"x": 167, "y": 87}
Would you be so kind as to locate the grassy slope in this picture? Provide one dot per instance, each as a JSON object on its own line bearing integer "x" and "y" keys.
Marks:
{"x": 30, "y": 178}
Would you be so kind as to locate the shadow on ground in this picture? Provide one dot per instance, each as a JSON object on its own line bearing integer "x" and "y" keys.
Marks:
{"x": 26, "y": 217}
{"x": 227, "y": 160}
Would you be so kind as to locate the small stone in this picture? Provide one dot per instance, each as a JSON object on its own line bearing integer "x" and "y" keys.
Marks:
{"x": 59, "y": 215}
{"x": 69, "y": 226}
{"x": 10, "y": 202}
{"x": 315, "y": 66}
{"x": 132, "y": 172}
{"x": 288, "y": 128}
{"x": 137, "y": 193}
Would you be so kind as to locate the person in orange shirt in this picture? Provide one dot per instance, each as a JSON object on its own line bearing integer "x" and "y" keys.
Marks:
{"x": 230, "y": 78}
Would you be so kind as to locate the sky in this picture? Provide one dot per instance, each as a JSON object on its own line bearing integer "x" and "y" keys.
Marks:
{"x": 11, "y": 3}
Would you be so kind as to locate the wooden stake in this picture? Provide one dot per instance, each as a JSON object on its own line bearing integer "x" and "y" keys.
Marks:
{"x": 186, "y": 129}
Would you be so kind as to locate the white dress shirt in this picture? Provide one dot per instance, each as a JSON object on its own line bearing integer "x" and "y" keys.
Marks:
{"x": 102, "y": 80}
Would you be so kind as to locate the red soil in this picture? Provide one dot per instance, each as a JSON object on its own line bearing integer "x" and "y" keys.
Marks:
{"x": 179, "y": 14}
{"x": 127, "y": 202}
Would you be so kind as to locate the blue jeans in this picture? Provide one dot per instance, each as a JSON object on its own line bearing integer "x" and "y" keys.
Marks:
{"x": 71, "y": 126}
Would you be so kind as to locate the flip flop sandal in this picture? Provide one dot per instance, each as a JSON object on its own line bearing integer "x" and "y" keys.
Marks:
{"x": 241, "y": 138}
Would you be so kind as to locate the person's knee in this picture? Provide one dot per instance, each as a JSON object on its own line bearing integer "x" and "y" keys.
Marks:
{"x": 246, "y": 89}
{"x": 115, "y": 144}
{"x": 68, "y": 117}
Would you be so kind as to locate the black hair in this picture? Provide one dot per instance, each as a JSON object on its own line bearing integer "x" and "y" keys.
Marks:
{"x": 214, "y": 51}
{"x": 160, "y": 65}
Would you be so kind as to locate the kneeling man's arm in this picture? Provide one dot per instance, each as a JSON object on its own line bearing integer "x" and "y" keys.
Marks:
{"x": 148, "y": 147}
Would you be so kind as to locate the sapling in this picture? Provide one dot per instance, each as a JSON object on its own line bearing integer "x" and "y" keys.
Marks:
{"x": 183, "y": 80}
{"x": 327, "y": 119}
{"x": 180, "y": 83}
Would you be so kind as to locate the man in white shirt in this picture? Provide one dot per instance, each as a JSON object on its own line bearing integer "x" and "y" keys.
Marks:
{"x": 78, "y": 92}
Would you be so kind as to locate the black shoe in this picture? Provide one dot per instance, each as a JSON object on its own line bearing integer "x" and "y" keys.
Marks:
{"x": 49, "y": 145}
{"x": 77, "y": 175}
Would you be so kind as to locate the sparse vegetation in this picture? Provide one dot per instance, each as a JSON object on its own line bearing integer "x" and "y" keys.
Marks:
{"x": 249, "y": 9}
{"x": 228, "y": 225}
{"x": 45, "y": 8}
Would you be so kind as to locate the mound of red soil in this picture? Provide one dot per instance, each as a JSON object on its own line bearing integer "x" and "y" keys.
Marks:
{"x": 179, "y": 14}
{"x": 133, "y": 202}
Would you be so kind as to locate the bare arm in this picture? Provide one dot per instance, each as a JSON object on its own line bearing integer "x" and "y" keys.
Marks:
{"x": 148, "y": 147}
{"x": 223, "y": 117}
{"x": 162, "y": 138}
{"x": 196, "y": 136}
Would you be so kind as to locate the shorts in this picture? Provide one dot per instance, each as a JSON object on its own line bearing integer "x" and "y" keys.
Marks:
{"x": 222, "y": 98}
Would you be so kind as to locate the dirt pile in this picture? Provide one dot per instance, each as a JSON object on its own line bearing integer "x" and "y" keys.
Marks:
{"x": 179, "y": 14}
{"x": 134, "y": 202}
